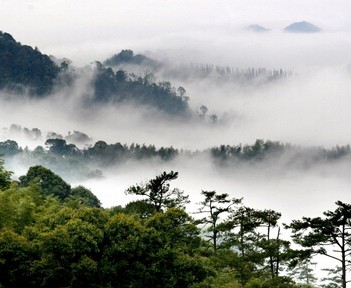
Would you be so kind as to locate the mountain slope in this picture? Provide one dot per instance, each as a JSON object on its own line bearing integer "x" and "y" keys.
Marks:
{"x": 256, "y": 28}
{"x": 302, "y": 27}
{"x": 22, "y": 66}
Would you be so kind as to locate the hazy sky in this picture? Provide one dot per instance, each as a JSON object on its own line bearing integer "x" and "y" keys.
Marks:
{"x": 87, "y": 30}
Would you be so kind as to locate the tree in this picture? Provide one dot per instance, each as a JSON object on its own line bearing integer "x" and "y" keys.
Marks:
{"x": 5, "y": 176}
{"x": 67, "y": 247}
{"x": 333, "y": 278}
{"x": 240, "y": 234}
{"x": 15, "y": 251}
{"x": 214, "y": 205}
{"x": 303, "y": 272}
{"x": 176, "y": 229}
{"x": 61, "y": 148}
{"x": 84, "y": 197}
{"x": 151, "y": 255}
{"x": 9, "y": 148}
{"x": 158, "y": 193}
{"x": 250, "y": 232}
{"x": 50, "y": 183}
{"x": 203, "y": 111}
{"x": 333, "y": 231}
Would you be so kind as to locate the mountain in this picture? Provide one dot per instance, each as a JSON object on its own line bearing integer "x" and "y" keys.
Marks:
{"x": 302, "y": 27}
{"x": 256, "y": 28}
{"x": 22, "y": 66}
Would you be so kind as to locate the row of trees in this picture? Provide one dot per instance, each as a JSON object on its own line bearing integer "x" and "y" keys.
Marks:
{"x": 54, "y": 236}
{"x": 228, "y": 74}
{"x": 61, "y": 156}
{"x": 127, "y": 59}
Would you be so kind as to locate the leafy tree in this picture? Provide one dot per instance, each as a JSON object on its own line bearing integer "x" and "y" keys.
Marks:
{"x": 249, "y": 232}
{"x": 158, "y": 193}
{"x": 318, "y": 234}
{"x": 84, "y": 197}
{"x": 135, "y": 255}
{"x": 5, "y": 176}
{"x": 18, "y": 207}
{"x": 140, "y": 208}
{"x": 61, "y": 148}
{"x": 9, "y": 148}
{"x": 177, "y": 230}
{"x": 67, "y": 244}
{"x": 241, "y": 235}
{"x": 215, "y": 205}
{"x": 276, "y": 282}
{"x": 50, "y": 183}
{"x": 15, "y": 256}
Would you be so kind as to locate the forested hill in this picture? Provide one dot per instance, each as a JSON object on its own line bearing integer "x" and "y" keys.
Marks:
{"x": 121, "y": 86}
{"x": 23, "y": 67}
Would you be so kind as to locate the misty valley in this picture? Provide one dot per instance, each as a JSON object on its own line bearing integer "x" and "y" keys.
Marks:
{"x": 143, "y": 170}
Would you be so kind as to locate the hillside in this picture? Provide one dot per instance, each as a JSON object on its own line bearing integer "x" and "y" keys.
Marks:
{"x": 24, "y": 67}
{"x": 256, "y": 28}
{"x": 302, "y": 27}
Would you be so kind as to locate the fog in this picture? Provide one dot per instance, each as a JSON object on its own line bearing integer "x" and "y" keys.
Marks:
{"x": 309, "y": 108}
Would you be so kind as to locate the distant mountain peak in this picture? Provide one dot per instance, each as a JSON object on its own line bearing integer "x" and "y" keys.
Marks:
{"x": 256, "y": 28}
{"x": 302, "y": 27}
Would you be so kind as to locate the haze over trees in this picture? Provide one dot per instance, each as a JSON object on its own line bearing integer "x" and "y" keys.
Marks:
{"x": 54, "y": 235}
{"x": 25, "y": 70}
{"x": 90, "y": 161}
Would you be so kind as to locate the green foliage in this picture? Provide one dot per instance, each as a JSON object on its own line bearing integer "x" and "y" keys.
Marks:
{"x": 15, "y": 256}
{"x": 317, "y": 234}
{"x": 22, "y": 65}
{"x": 215, "y": 206}
{"x": 140, "y": 208}
{"x": 18, "y": 207}
{"x": 153, "y": 242}
{"x": 158, "y": 194}
{"x": 84, "y": 196}
{"x": 177, "y": 230}
{"x": 5, "y": 176}
{"x": 50, "y": 183}
{"x": 276, "y": 282}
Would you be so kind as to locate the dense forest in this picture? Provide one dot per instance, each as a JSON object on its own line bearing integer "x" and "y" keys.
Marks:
{"x": 23, "y": 67}
{"x": 52, "y": 235}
